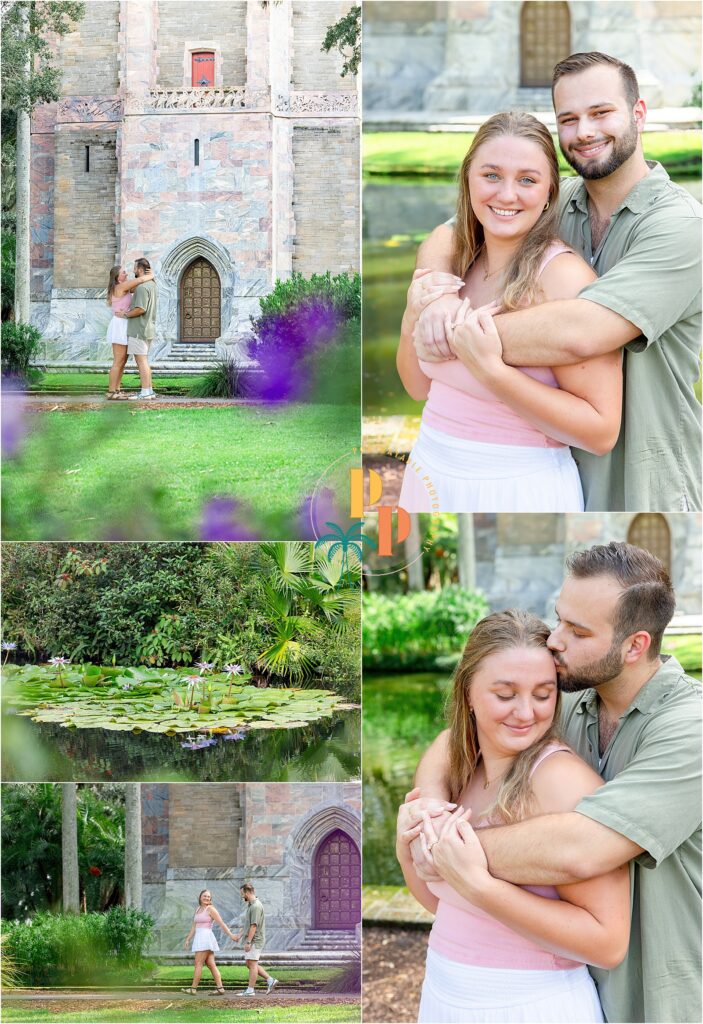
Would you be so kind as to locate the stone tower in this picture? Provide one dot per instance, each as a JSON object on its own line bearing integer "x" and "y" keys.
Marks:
{"x": 216, "y": 140}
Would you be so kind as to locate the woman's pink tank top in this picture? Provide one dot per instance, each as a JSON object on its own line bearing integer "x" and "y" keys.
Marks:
{"x": 461, "y": 406}
{"x": 463, "y": 933}
{"x": 202, "y": 918}
{"x": 122, "y": 303}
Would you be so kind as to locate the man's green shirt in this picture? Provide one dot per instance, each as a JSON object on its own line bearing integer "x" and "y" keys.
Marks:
{"x": 254, "y": 914}
{"x": 143, "y": 327}
{"x": 652, "y": 769}
{"x": 649, "y": 269}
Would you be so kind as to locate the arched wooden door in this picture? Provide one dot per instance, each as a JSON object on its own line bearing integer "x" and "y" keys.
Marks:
{"x": 650, "y": 530}
{"x": 545, "y": 39}
{"x": 337, "y": 882}
{"x": 200, "y": 302}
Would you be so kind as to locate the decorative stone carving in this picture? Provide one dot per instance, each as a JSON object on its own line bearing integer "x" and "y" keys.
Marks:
{"x": 206, "y": 99}
{"x": 89, "y": 109}
{"x": 318, "y": 103}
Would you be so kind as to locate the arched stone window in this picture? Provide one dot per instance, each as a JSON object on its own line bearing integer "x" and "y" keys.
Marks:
{"x": 650, "y": 530}
{"x": 337, "y": 883}
{"x": 545, "y": 39}
{"x": 203, "y": 69}
{"x": 200, "y": 306}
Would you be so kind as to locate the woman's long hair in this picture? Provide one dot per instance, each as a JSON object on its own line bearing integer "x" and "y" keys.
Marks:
{"x": 500, "y": 631}
{"x": 520, "y": 281}
{"x": 112, "y": 284}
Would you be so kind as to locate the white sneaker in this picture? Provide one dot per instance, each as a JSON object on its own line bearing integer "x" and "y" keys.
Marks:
{"x": 271, "y": 983}
{"x": 250, "y": 992}
{"x": 142, "y": 398}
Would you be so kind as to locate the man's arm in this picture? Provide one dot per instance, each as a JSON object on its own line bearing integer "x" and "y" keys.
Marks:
{"x": 554, "y": 849}
{"x": 136, "y": 311}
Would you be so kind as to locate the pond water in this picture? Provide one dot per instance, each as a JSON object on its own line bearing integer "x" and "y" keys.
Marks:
{"x": 398, "y": 214}
{"x": 402, "y": 715}
{"x": 325, "y": 751}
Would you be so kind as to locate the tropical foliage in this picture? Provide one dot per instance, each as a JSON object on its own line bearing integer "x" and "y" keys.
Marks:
{"x": 31, "y": 843}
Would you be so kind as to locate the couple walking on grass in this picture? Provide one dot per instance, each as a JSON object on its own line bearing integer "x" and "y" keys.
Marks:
{"x": 132, "y": 327}
{"x": 205, "y": 944}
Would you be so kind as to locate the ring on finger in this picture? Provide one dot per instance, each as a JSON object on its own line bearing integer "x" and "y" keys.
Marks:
{"x": 433, "y": 844}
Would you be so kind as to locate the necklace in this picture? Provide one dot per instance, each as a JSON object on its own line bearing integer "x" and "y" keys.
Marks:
{"x": 489, "y": 782}
{"x": 486, "y": 275}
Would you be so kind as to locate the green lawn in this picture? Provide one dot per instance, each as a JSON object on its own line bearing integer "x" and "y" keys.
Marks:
{"x": 441, "y": 153}
{"x": 686, "y": 649}
{"x": 96, "y": 383}
{"x": 144, "y": 474}
{"x": 180, "y": 1012}
{"x": 181, "y": 974}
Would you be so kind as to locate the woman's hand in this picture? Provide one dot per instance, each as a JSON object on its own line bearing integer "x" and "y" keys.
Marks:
{"x": 186, "y": 943}
{"x": 457, "y": 854}
{"x": 428, "y": 285}
{"x": 476, "y": 342}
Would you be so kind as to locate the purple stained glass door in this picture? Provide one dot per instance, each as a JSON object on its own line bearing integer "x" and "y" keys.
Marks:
{"x": 337, "y": 882}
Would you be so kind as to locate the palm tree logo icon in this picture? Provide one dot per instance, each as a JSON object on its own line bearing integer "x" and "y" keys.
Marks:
{"x": 346, "y": 542}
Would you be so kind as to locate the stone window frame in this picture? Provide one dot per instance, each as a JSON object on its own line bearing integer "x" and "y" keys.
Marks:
{"x": 196, "y": 47}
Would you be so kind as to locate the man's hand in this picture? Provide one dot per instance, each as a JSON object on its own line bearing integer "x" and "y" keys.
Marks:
{"x": 411, "y": 818}
{"x": 430, "y": 335}
{"x": 120, "y": 314}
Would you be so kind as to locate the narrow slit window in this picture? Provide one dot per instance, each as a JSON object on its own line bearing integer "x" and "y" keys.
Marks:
{"x": 87, "y": 159}
{"x": 196, "y": 152}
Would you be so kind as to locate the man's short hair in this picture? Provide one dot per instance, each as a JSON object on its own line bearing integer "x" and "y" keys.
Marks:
{"x": 247, "y": 887}
{"x": 142, "y": 263}
{"x": 647, "y": 601}
{"x": 583, "y": 61}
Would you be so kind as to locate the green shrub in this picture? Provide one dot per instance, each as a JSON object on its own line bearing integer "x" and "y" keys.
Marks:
{"x": 168, "y": 642}
{"x": 227, "y": 379}
{"x": 20, "y": 343}
{"x": 411, "y": 631}
{"x": 344, "y": 290}
{"x": 8, "y": 275}
{"x": 72, "y": 949}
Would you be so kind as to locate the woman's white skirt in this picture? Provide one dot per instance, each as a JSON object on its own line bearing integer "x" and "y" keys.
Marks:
{"x": 454, "y": 993}
{"x": 117, "y": 331}
{"x": 204, "y": 939}
{"x": 450, "y": 474}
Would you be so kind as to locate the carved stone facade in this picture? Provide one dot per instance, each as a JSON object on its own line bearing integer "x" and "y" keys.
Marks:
{"x": 137, "y": 160}
{"x": 474, "y": 56}
{"x": 224, "y": 834}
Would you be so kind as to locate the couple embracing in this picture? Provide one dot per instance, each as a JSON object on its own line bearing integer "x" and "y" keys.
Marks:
{"x": 132, "y": 327}
{"x": 576, "y": 755}
{"x": 553, "y": 330}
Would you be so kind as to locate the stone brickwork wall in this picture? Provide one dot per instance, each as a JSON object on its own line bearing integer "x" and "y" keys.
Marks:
{"x": 84, "y": 213}
{"x": 204, "y": 824}
{"x": 520, "y": 558}
{"x": 179, "y": 31}
{"x": 326, "y": 197}
{"x": 89, "y": 56}
{"x": 312, "y": 68}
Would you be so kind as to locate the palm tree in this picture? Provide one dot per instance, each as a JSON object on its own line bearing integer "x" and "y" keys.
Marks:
{"x": 69, "y": 848}
{"x": 133, "y": 846}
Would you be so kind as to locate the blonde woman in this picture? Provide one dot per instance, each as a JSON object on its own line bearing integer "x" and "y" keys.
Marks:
{"x": 204, "y": 942}
{"x": 119, "y": 299}
{"x": 497, "y": 951}
{"x": 495, "y": 437}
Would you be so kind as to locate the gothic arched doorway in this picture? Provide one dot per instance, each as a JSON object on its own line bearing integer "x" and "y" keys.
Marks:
{"x": 545, "y": 39}
{"x": 200, "y": 302}
{"x": 650, "y": 530}
{"x": 337, "y": 883}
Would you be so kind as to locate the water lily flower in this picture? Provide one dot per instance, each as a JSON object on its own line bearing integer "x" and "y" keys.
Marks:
{"x": 59, "y": 663}
{"x": 239, "y": 734}
{"x": 204, "y": 666}
{"x": 9, "y": 645}
{"x": 233, "y": 670}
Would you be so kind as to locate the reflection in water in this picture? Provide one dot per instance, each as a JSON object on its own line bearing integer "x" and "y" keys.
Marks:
{"x": 402, "y": 715}
{"x": 326, "y": 751}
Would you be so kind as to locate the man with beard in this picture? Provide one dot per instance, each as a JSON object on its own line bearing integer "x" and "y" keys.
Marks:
{"x": 634, "y": 716}
{"x": 641, "y": 234}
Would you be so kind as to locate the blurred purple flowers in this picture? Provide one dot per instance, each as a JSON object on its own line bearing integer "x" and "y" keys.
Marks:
{"x": 221, "y": 520}
{"x": 285, "y": 346}
{"x": 14, "y": 422}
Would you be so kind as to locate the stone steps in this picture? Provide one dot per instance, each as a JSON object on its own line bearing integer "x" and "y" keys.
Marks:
{"x": 191, "y": 352}
{"x": 330, "y": 939}
{"x": 292, "y": 958}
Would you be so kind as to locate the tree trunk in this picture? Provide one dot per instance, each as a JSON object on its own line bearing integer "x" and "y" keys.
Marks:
{"x": 413, "y": 555}
{"x": 133, "y": 846}
{"x": 22, "y": 257}
{"x": 69, "y": 848}
{"x": 466, "y": 551}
